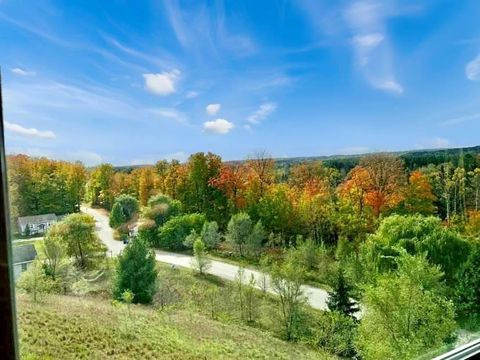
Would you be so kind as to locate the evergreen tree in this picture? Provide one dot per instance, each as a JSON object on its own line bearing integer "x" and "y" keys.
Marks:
{"x": 136, "y": 272}
{"x": 339, "y": 299}
{"x": 117, "y": 216}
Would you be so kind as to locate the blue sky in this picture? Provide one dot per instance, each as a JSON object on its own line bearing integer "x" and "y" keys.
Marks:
{"x": 131, "y": 82}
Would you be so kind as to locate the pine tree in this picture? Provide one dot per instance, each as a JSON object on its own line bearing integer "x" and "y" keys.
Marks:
{"x": 117, "y": 216}
{"x": 136, "y": 271}
{"x": 339, "y": 299}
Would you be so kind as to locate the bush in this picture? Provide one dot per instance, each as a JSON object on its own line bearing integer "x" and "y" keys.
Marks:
{"x": 161, "y": 208}
{"x": 333, "y": 332}
{"x": 147, "y": 231}
{"x": 174, "y": 232}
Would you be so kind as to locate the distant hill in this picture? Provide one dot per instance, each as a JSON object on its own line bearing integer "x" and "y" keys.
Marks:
{"x": 413, "y": 159}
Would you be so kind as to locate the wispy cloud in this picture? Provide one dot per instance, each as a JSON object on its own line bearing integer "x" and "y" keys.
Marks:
{"x": 434, "y": 143}
{"x": 472, "y": 69}
{"x": 163, "y": 83}
{"x": 262, "y": 112}
{"x": 22, "y": 72}
{"x": 460, "y": 119}
{"x": 363, "y": 25}
{"x": 192, "y": 94}
{"x": 169, "y": 113}
{"x": 29, "y": 132}
{"x": 212, "y": 109}
{"x": 366, "y": 21}
{"x": 219, "y": 126}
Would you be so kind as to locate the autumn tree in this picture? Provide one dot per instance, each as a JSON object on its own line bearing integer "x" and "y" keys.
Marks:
{"x": 41, "y": 186}
{"x": 232, "y": 181}
{"x": 77, "y": 232}
{"x": 386, "y": 178}
{"x": 419, "y": 197}
{"x": 99, "y": 191}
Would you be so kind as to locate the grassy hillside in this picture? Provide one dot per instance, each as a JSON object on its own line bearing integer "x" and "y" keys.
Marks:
{"x": 63, "y": 327}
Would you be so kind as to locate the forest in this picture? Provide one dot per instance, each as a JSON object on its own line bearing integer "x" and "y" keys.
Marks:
{"x": 398, "y": 234}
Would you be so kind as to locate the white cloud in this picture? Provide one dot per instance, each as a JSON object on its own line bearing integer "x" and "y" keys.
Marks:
{"x": 219, "y": 126}
{"x": 390, "y": 86}
{"x": 29, "y": 132}
{"x": 169, "y": 113}
{"x": 192, "y": 94}
{"x": 162, "y": 83}
{"x": 262, "y": 113}
{"x": 460, "y": 119}
{"x": 365, "y": 44}
{"x": 366, "y": 20}
{"x": 22, "y": 72}
{"x": 472, "y": 69}
{"x": 212, "y": 109}
{"x": 435, "y": 143}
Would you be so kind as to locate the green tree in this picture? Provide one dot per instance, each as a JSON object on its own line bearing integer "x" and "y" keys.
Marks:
{"x": 34, "y": 281}
{"x": 117, "y": 216}
{"x": 339, "y": 299}
{"x": 136, "y": 272}
{"x": 201, "y": 262}
{"x": 334, "y": 332}
{"x": 161, "y": 208}
{"x": 99, "y": 192}
{"x": 210, "y": 235}
{"x": 251, "y": 300}
{"x": 467, "y": 292}
{"x": 174, "y": 232}
{"x": 238, "y": 230}
{"x": 77, "y": 232}
{"x": 406, "y": 314}
{"x": 286, "y": 281}
{"x": 129, "y": 205}
{"x": 417, "y": 234}
{"x": 255, "y": 240}
{"x": 53, "y": 251}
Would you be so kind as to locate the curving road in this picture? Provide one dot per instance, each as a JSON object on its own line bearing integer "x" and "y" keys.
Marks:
{"x": 317, "y": 298}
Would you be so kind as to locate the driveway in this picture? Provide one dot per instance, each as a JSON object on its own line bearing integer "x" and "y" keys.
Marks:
{"x": 317, "y": 298}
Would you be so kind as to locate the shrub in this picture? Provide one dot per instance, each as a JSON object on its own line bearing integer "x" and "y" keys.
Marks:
{"x": 174, "y": 232}
{"x": 147, "y": 231}
{"x": 333, "y": 332}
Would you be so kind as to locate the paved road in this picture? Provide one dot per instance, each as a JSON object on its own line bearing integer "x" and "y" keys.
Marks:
{"x": 316, "y": 297}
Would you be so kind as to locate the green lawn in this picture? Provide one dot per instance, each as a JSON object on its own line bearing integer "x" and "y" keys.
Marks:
{"x": 64, "y": 327}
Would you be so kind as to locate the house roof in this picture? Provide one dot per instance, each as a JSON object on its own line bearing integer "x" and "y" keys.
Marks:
{"x": 36, "y": 219}
{"x": 23, "y": 253}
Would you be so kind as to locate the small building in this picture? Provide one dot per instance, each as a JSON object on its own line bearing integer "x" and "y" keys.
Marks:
{"x": 35, "y": 224}
{"x": 23, "y": 256}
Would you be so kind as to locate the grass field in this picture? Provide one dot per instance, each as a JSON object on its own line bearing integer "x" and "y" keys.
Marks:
{"x": 64, "y": 327}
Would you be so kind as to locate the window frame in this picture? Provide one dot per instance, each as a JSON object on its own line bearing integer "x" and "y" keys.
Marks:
{"x": 8, "y": 335}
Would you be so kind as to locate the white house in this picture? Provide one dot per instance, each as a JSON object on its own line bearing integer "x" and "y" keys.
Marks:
{"x": 36, "y": 224}
{"x": 23, "y": 256}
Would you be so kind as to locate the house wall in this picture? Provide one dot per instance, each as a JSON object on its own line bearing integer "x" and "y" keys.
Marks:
{"x": 36, "y": 228}
{"x": 19, "y": 268}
